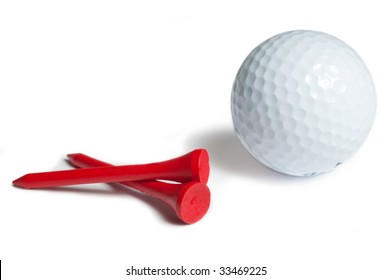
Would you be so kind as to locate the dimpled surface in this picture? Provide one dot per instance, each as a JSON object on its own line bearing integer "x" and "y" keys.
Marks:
{"x": 303, "y": 102}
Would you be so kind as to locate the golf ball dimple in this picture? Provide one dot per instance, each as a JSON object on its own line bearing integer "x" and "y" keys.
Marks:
{"x": 303, "y": 102}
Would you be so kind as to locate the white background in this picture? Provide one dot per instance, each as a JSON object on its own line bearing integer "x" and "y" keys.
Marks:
{"x": 143, "y": 81}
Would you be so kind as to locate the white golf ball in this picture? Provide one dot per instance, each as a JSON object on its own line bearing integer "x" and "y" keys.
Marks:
{"x": 303, "y": 102}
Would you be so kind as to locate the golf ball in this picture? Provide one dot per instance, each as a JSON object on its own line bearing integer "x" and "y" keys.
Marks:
{"x": 303, "y": 102}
